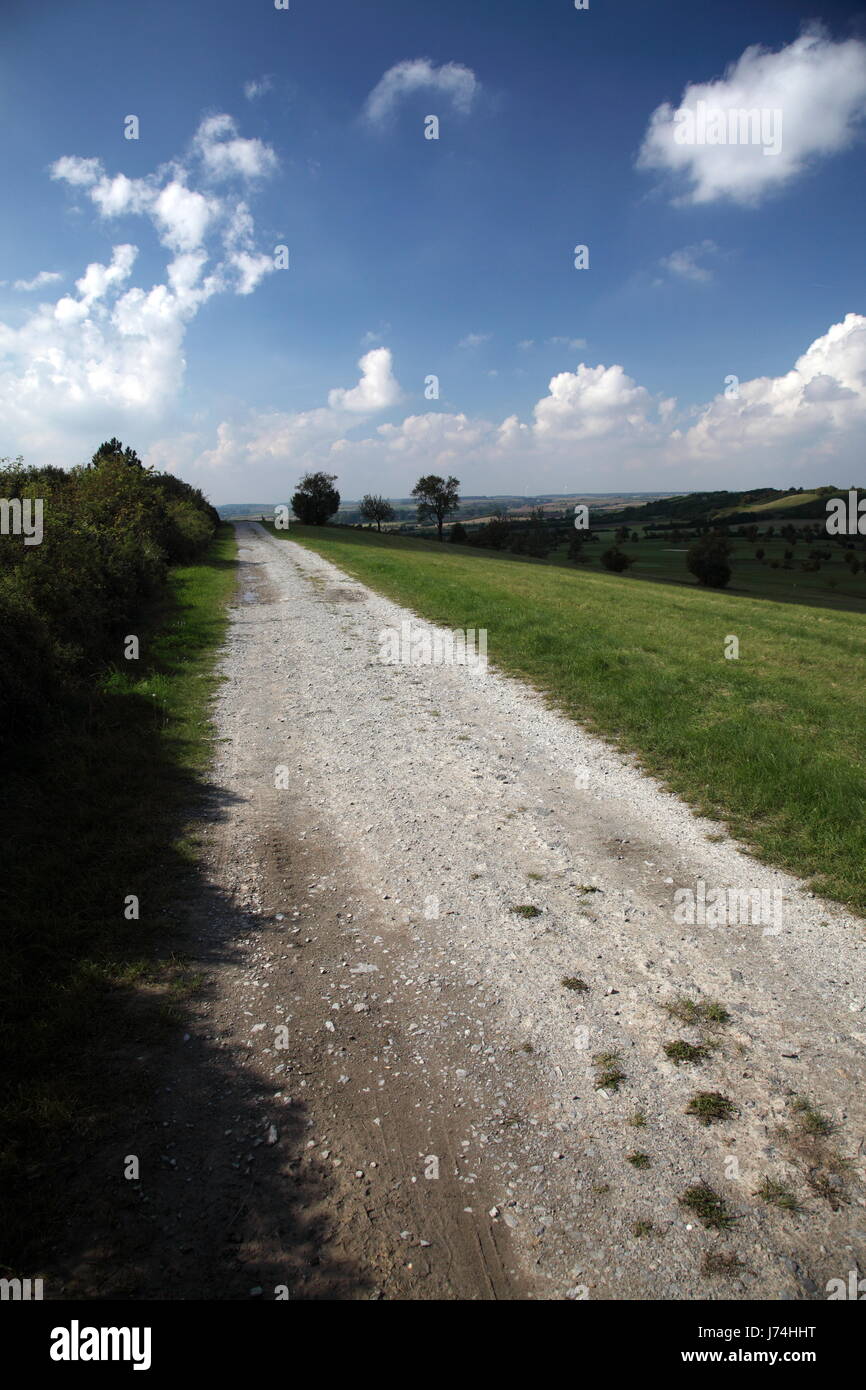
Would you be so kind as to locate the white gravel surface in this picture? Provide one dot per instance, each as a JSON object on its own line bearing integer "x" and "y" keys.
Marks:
{"x": 447, "y": 797}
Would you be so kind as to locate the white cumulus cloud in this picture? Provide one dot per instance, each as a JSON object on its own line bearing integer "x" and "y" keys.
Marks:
{"x": 114, "y": 346}
{"x": 815, "y": 86}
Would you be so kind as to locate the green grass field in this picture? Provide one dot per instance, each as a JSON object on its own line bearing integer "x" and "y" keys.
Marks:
{"x": 665, "y": 561}
{"x": 773, "y": 743}
{"x": 96, "y": 811}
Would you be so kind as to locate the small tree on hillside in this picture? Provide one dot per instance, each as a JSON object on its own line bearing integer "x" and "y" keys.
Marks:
{"x": 616, "y": 560}
{"x": 457, "y": 534}
{"x": 375, "y": 508}
{"x": 437, "y": 498}
{"x": 315, "y": 499}
{"x": 708, "y": 560}
{"x": 112, "y": 451}
{"x": 497, "y": 531}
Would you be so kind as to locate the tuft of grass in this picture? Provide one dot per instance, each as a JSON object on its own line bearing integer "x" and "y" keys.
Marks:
{"x": 706, "y": 1013}
{"x": 709, "y": 1106}
{"x": 641, "y": 1228}
{"x": 710, "y": 1209}
{"x": 576, "y": 983}
{"x": 679, "y": 1052}
{"x": 810, "y": 1120}
{"x": 638, "y": 1159}
{"x": 609, "y": 1075}
{"x": 536, "y": 878}
{"x": 777, "y": 1195}
{"x": 526, "y": 910}
{"x": 637, "y": 1120}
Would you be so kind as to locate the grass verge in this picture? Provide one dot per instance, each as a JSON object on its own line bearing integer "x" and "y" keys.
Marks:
{"x": 93, "y": 814}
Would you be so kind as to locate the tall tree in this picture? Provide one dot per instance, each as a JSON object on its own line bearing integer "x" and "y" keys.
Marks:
{"x": 315, "y": 499}
{"x": 437, "y": 498}
{"x": 376, "y": 508}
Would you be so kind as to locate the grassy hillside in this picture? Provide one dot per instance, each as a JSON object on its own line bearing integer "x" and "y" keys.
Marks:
{"x": 773, "y": 743}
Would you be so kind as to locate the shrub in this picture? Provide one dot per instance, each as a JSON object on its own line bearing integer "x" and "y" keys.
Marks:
{"x": 707, "y": 559}
{"x": 616, "y": 560}
{"x": 110, "y": 531}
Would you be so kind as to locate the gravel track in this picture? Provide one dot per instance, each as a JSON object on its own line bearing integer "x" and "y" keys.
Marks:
{"x": 427, "y": 1028}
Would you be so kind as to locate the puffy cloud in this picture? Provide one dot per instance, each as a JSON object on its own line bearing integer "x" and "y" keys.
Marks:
{"x": 308, "y": 436}
{"x": 591, "y": 403}
{"x": 595, "y": 428}
{"x": 474, "y": 340}
{"x": 80, "y": 173}
{"x": 684, "y": 262}
{"x": 377, "y": 389}
{"x": 821, "y": 401}
{"x": 452, "y": 81}
{"x": 112, "y": 345}
{"x": 779, "y": 111}
{"x": 183, "y": 216}
{"x": 227, "y": 155}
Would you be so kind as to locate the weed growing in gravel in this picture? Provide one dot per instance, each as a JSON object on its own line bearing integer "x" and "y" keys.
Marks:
{"x": 526, "y": 910}
{"x": 641, "y": 1228}
{"x": 709, "y": 1013}
{"x": 637, "y": 1120}
{"x": 536, "y": 878}
{"x": 638, "y": 1159}
{"x": 811, "y": 1121}
{"x": 708, "y": 1106}
{"x": 777, "y": 1195}
{"x": 587, "y": 888}
{"x": 600, "y": 1188}
{"x": 609, "y": 1075}
{"x": 679, "y": 1052}
{"x": 575, "y": 982}
{"x": 707, "y": 1206}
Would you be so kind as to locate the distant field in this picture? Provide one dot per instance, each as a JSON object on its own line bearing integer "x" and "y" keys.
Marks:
{"x": 778, "y": 504}
{"x": 774, "y": 744}
{"x": 833, "y": 586}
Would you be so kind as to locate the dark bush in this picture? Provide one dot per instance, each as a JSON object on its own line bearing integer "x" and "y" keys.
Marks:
{"x": 616, "y": 560}
{"x": 109, "y": 532}
{"x": 708, "y": 560}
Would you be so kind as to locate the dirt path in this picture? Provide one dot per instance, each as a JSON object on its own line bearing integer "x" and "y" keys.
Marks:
{"x": 388, "y": 1091}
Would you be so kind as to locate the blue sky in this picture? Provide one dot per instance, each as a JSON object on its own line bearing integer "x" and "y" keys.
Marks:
{"x": 149, "y": 306}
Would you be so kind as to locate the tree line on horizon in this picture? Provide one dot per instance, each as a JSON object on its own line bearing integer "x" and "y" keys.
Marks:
{"x": 316, "y": 500}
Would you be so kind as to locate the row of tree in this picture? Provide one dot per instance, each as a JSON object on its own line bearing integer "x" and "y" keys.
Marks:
{"x": 316, "y": 500}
